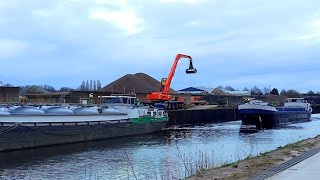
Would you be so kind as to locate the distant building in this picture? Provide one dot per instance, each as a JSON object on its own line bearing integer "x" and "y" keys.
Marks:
{"x": 9, "y": 94}
{"x": 85, "y": 97}
{"x": 37, "y": 94}
{"x": 221, "y": 91}
{"x": 192, "y": 90}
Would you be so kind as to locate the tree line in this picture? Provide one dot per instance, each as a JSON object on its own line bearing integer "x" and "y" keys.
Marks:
{"x": 91, "y": 85}
{"x": 88, "y": 85}
{"x": 255, "y": 90}
{"x": 95, "y": 85}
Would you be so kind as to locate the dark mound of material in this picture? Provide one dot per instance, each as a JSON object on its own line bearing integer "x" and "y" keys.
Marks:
{"x": 134, "y": 83}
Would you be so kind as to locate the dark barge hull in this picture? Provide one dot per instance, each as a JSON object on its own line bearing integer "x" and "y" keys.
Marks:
{"x": 268, "y": 120}
{"x": 20, "y": 136}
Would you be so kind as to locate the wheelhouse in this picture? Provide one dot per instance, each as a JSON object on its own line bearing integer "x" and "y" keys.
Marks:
{"x": 118, "y": 99}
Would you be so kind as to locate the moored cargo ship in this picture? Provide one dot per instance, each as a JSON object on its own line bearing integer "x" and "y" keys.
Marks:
{"x": 257, "y": 114}
{"x": 29, "y": 126}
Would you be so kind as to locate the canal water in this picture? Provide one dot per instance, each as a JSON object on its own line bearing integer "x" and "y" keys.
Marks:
{"x": 171, "y": 154}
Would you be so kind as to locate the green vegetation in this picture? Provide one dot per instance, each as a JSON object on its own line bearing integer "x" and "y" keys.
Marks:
{"x": 274, "y": 91}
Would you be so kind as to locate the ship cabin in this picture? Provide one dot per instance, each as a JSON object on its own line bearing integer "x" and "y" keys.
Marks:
{"x": 157, "y": 113}
{"x": 297, "y": 100}
{"x": 114, "y": 99}
{"x": 297, "y": 103}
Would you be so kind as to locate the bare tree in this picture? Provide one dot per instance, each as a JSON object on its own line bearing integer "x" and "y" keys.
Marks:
{"x": 266, "y": 91}
{"x": 91, "y": 86}
{"x": 7, "y": 85}
{"x": 82, "y": 86}
{"x": 290, "y": 93}
{"x": 49, "y": 88}
{"x": 229, "y": 88}
{"x": 87, "y": 86}
{"x": 311, "y": 92}
{"x": 94, "y": 85}
{"x": 98, "y": 85}
{"x": 66, "y": 89}
{"x": 245, "y": 89}
{"x": 256, "y": 91}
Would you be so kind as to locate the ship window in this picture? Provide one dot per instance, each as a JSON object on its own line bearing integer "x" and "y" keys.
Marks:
{"x": 111, "y": 100}
{"x": 125, "y": 100}
{"x": 160, "y": 113}
{"x": 149, "y": 113}
{"x": 102, "y": 101}
{"x": 133, "y": 101}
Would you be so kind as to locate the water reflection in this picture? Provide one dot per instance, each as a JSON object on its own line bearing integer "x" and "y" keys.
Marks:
{"x": 172, "y": 154}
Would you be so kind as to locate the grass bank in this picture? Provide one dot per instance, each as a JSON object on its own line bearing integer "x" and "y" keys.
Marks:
{"x": 250, "y": 167}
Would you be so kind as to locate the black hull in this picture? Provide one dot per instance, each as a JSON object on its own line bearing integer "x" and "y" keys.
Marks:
{"x": 273, "y": 120}
{"x": 20, "y": 137}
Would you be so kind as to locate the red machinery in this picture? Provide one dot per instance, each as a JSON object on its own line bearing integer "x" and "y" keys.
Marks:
{"x": 198, "y": 100}
{"x": 164, "y": 94}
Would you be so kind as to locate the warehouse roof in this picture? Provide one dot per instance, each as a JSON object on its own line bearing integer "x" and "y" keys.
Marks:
{"x": 34, "y": 90}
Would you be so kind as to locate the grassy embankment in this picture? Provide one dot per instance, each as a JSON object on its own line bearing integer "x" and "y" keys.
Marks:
{"x": 251, "y": 166}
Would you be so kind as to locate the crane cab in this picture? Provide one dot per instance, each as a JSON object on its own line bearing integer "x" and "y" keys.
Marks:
{"x": 163, "y": 81}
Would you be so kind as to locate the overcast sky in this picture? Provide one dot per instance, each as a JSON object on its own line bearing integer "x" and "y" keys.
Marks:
{"x": 241, "y": 43}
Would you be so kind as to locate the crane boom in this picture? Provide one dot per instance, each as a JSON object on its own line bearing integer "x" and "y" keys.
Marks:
{"x": 166, "y": 89}
{"x": 164, "y": 94}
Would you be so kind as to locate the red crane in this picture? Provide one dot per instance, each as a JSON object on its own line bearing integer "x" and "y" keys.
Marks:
{"x": 164, "y": 94}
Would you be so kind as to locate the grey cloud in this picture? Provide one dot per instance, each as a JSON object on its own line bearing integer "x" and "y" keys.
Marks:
{"x": 239, "y": 42}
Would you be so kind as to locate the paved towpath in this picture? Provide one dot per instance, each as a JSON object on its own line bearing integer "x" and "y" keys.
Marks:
{"x": 308, "y": 169}
{"x": 306, "y": 166}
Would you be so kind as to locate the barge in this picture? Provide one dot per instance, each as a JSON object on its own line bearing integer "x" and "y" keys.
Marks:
{"x": 257, "y": 114}
{"x": 35, "y": 126}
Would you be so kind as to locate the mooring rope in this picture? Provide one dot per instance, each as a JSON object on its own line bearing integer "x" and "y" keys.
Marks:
{"x": 8, "y": 129}
{"x": 70, "y": 135}
{"x": 55, "y": 134}
{"x": 113, "y": 124}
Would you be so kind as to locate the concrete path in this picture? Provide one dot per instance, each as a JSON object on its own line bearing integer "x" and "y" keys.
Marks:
{"x": 309, "y": 169}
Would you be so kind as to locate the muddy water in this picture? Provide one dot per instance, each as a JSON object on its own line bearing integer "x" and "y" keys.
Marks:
{"x": 172, "y": 154}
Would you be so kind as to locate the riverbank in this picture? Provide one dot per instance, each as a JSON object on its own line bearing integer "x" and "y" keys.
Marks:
{"x": 252, "y": 166}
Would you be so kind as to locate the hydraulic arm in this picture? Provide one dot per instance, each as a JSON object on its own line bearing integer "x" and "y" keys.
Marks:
{"x": 164, "y": 94}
